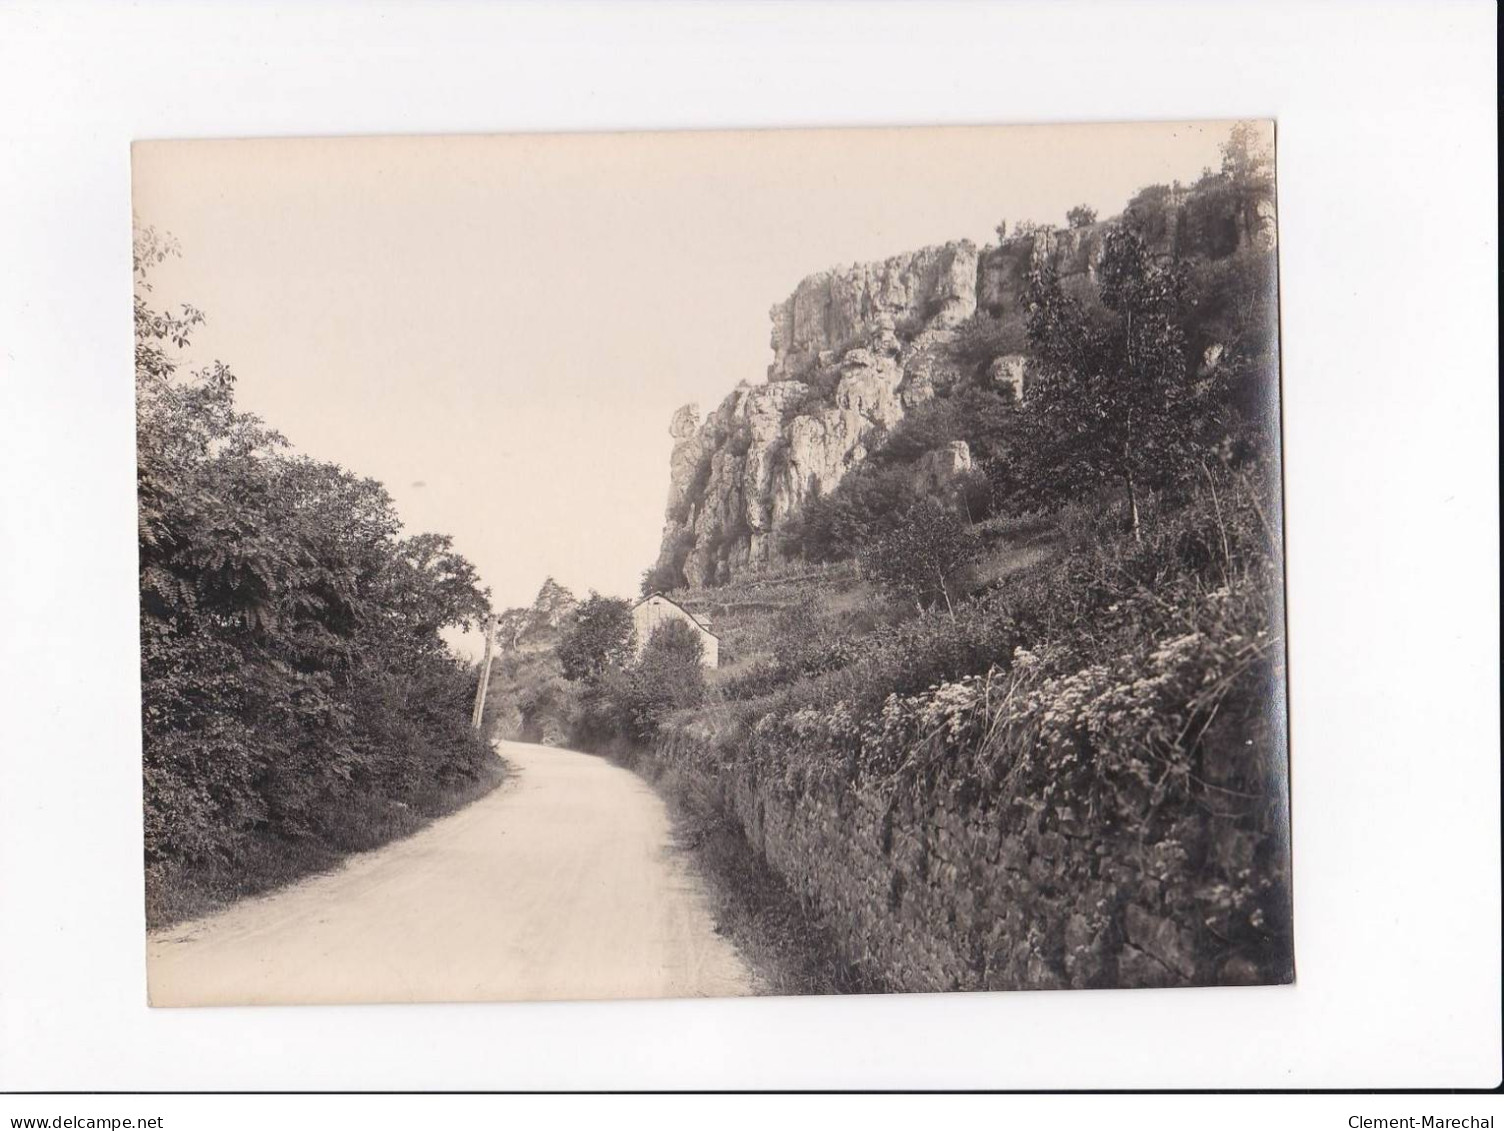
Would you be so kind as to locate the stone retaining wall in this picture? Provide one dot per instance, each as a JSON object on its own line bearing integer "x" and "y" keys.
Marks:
{"x": 928, "y": 891}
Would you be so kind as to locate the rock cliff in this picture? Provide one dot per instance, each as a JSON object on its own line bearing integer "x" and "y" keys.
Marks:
{"x": 539, "y": 624}
{"x": 854, "y": 349}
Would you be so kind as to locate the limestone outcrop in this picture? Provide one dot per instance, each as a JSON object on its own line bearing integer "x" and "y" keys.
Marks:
{"x": 936, "y": 470}
{"x": 539, "y": 623}
{"x": 854, "y": 350}
{"x": 833, "y": 311}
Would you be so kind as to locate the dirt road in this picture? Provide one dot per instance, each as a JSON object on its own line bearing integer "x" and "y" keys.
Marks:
{"x": 561, "y": 884}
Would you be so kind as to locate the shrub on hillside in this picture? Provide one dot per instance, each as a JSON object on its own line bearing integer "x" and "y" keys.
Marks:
{"x": 810, "y": 642}
{"x": 925, "y": 555}
{"x": 667, "y": 677}
{"x": 633, "y": 700}
{"x": 983, "y": 338}
{"x": 974, "y": 494}
{"x": 1113, "y": 400}
{"x": 906, "y": 656}
{"x": 864, "y": 505}
{"x": 983, "y": 416}
{"x": 869, "y": 501}
{"x": 1105, "y": 700}
{"x": 1233, "y": 337}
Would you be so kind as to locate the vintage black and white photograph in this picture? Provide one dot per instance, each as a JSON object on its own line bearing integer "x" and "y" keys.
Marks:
{"x": 705, "y": 564}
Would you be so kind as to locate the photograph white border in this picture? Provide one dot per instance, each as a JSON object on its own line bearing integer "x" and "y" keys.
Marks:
{"x": 1388, "y": 253}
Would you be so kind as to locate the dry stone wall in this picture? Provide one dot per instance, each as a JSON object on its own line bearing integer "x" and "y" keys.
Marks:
{"x": 936, "y": 888}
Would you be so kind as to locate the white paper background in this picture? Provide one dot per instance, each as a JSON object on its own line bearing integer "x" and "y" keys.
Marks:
{"x": 1388, "y": 187}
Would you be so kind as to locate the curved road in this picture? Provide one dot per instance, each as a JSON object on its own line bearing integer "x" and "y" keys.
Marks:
{"x": 560, "y": 884}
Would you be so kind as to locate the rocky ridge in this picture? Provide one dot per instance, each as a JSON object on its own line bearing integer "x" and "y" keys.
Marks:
{"x": 854, "y": 350}
{"x": 857, "y": 348}
{"x": 539, "y": 624}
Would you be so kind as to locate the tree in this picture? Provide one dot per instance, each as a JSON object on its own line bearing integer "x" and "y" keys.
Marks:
{"x": 1111, "y": 398}
{"x": 863, "y": 505}
{"x": 1248, "y": 168}
{"x": 1081, "y": 216}
{"x": 924, "y": 556}
{"x": 667, "y": 677}
{"x": 292, "y": 662}
{"x": 599, "y": 637}
{"x": 1150, "y": 211}
{"x": 664, "y": 576}
{"x": 983, "y": 338}
{"x": 1227, "y": 208}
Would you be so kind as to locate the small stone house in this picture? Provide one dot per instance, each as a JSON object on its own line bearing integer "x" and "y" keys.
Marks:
{"x": 655, "y": 609}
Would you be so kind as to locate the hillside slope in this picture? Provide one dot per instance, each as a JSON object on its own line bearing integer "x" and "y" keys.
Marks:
{"x": 857, "y": 349}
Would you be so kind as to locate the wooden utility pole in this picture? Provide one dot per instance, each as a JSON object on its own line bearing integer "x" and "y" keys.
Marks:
{"x": 485, "y": 675}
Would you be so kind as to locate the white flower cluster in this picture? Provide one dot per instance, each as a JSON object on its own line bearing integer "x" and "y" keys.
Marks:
{"x": 1133, "y": 707}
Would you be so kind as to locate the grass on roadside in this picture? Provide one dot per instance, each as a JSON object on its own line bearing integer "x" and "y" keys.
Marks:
{"x": 264, "y": 863}
{"x": 789, "y": 952}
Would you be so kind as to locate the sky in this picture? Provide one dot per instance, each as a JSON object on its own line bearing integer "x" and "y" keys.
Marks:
{"x": 500, "y": 328}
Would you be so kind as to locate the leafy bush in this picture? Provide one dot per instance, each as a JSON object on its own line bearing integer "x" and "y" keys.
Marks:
{"x": 292, "y": 667}
{"x": 667, "y": 677}
{"x": 983, "y": 338}
{"x": 871, "y": 499}
{"x": 864, "y": 505}
{"x": 598, "y": 637}
{"x": 632, "y": 701}
{"x": 1233, "y": 341}
{"x": 1113, "y": 399}
{"x": 924, "y": 556}
{"x": 1081, "y": 216}
{"x": 667, "y": 574}
{"x": 810, "y": 642}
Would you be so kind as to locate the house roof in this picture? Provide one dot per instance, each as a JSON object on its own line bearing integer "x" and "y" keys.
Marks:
{"x": 704, "y": 627}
